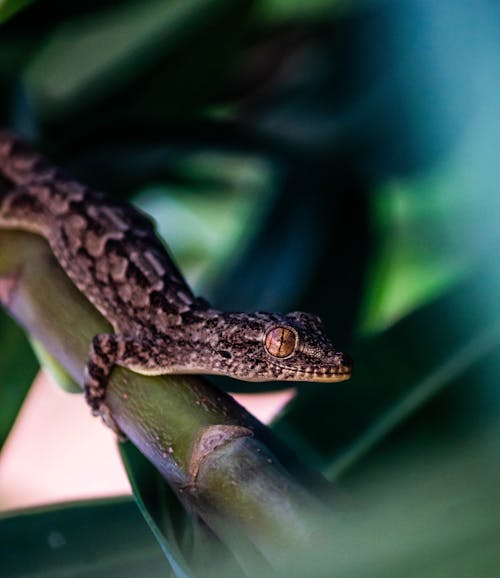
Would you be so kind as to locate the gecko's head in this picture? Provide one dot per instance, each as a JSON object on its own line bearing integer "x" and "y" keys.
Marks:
{"x": 272, "y": 347}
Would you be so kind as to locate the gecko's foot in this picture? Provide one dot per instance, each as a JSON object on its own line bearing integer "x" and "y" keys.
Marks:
{"x": 109, "y": 421}
{"x": 102, "y": 358}
{"x": 100, "y": 408}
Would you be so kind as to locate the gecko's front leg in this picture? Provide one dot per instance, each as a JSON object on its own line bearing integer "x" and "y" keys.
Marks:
{"x": 106, "y": 351}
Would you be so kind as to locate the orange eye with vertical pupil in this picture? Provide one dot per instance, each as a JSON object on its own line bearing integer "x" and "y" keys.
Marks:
{"x": 280, "y": 341}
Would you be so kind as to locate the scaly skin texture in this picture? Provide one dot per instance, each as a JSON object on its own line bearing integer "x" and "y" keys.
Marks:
{"x": 111, "y": 253}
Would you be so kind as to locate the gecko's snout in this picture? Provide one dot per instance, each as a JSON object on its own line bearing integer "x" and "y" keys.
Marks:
{"x": 340, "y": 367}
{"x": 346, "y": 365}
{"x": 333, "y": 368}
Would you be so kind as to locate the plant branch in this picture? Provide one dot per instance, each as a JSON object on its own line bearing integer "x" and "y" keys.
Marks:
{"x": 224, "y": 465}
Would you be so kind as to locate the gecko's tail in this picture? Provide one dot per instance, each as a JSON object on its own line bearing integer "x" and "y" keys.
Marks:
{"x": 20, "y": 169}
{"x": 6, "y": 184}
{"x": 20, "y": 164}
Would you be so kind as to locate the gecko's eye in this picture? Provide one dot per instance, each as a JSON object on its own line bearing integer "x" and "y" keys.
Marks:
{"x": 280, "y": 341}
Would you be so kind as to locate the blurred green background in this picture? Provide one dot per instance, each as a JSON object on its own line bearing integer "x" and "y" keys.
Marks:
{"x": 334, "y": 156}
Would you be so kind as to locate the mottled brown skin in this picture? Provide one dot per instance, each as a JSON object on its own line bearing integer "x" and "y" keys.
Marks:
{"x": 111, "y": 253}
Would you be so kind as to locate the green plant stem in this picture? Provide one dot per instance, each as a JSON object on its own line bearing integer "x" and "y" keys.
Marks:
{"x": 224, "y": 465}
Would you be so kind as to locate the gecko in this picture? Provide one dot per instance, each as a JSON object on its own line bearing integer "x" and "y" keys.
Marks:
{"x": 112, "y": 254}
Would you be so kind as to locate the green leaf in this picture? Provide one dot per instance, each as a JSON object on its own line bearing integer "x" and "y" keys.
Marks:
{"x": 115, "y": 47}
{"x": 418, "y": 259}
{"x": 427, "y": 502}
{"x": 18, "y": 367}
{"x": 107, "y": 538}
{"x": 10, "y": 7}
{"x": 280, "y": 11}
{"x": 159, "y": 506}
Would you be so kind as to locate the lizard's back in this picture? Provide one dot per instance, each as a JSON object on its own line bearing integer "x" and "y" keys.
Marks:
{"x": 108, "y": 249}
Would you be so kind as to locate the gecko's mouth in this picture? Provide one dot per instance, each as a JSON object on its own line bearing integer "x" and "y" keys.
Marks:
{"x": 332, "y": 375}
{"x": 341, "y": 371}
{"x": 329, "y": 377}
